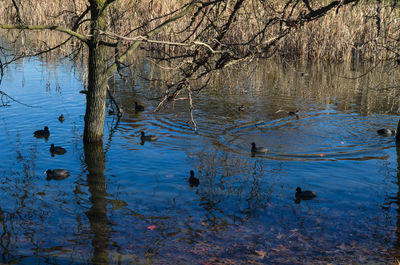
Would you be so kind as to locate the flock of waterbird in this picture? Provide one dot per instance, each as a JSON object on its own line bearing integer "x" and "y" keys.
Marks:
{"x": 306, "y": 195}
{"x": 59, "y": 174}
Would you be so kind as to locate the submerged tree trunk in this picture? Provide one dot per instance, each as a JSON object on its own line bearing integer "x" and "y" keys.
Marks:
{"x": 97, "y": 78}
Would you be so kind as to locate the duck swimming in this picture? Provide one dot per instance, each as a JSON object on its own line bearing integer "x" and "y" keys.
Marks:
{"x": 138, "y": 107}
{"x": 57, "y": 174}
{"x": 294, "y": 113}
{"x": 42, "y": 133}
{"x": 57, "y": 150}
{"x": 193, "y": 181}
{"x": 304, "y": 195}
{"x": 144, "y": 137}
{"x": 61, "y": 118}
{"x": 255, "y": 149}
{"x": 386, "y": 132}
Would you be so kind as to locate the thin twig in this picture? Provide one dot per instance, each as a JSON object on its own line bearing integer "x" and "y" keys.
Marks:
{"x": 114, "y": 101}
{"x": 13, "y": 99}
{"x": 145, "y": 39}
{"x": 191, "y": 109}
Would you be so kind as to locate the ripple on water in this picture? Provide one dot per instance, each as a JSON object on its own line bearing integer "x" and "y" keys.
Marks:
{"x": 321, "y": 136}
{"x": 171, "y": 131}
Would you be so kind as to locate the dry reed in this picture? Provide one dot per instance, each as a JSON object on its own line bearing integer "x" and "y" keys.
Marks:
{"x": 352, "y": 33}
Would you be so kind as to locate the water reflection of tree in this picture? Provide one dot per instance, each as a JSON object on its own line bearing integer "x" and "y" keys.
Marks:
{"x": 97, "y": 214}
{"x": 263, "y": 82}
{"x": 232, "y": 187}
{"x": 396, "y": 200}
{"x": 17, "y": 213}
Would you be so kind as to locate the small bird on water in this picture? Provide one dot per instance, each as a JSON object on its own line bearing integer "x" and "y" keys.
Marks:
{"x": 294, "y": 113}
{"x": 57, "y": 174}
{"x": 290, "y": 113}
{"x": 138, "y": 107}
{"x": 193, "y": 181}
{"x": 386, "y": 132}
{"x": 255, "y": 149}
{"x": 144, "y": 137}
{"x": 42, "y": 133}
{"x": 61, "y": 118}
{"x": 304, "y": 195}
{"x": 57, "y": 150}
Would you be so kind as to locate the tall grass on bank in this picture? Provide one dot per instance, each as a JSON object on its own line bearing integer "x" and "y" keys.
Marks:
{"x": 350, "y": 34}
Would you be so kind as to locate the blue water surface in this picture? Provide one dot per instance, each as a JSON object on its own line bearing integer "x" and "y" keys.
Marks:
{"x": 137, "y": 207}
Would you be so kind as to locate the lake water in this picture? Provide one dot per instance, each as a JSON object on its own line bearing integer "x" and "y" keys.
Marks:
{"x": 129, "y": 202}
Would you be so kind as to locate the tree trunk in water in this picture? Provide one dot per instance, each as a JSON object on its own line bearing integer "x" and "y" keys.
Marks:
{"x": 97, "y": 79}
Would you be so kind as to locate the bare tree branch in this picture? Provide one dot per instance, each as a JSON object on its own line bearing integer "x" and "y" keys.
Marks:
{"x": 19, "y": 19}
{"x": 49, "y": 27}
{"x": 3, "y": 94}
{"x": 136, "y": 44}
{"x": 191, "y": 108}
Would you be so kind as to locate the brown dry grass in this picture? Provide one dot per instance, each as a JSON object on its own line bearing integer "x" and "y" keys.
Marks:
{"x": 350, "y": 33}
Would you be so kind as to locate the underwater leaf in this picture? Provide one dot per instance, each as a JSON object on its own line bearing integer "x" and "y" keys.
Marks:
{"x": 117, "y": 204}
{"x": 261, "y": 253}
{"x": 342, "y": 246}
